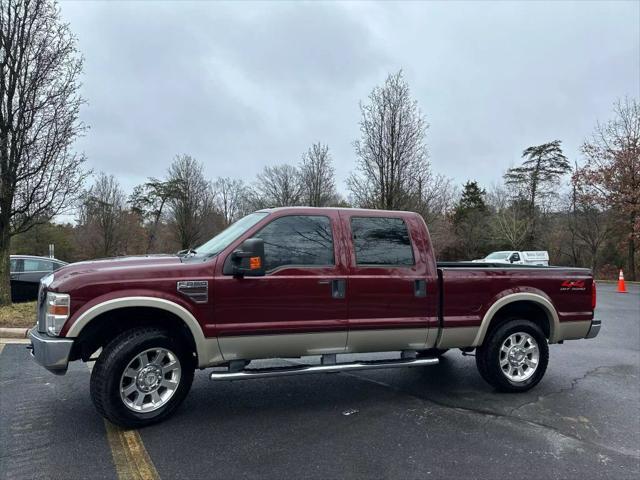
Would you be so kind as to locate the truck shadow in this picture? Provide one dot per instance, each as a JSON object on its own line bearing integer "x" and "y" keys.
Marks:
{"x": 451, "y": 379}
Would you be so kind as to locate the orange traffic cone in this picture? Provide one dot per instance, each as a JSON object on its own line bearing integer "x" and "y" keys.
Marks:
{"x": 621, "y": 286}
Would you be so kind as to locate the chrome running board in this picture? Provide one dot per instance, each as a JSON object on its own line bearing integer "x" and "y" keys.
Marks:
{"x": 334, "y": 368}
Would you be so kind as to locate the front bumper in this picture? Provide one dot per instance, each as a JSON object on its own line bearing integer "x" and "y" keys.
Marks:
{"x": 595, "y": 329}
{"x": 50, "y": 352}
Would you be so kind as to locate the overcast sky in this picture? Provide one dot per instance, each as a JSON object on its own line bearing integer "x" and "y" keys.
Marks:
{"x": 242, "y": 85}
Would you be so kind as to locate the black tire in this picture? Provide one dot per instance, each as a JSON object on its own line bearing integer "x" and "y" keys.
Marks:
{"x": 432, "y": 352}
{"x": 110, "y": 366}
{"x": 488, "y": 356}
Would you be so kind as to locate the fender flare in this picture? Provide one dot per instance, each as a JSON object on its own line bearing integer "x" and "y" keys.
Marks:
{"x": 207, "y": 348}
{"x": 539, "y": 300}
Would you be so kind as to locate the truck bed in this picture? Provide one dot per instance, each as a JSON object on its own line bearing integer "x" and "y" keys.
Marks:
{"x": 469, "y": 290}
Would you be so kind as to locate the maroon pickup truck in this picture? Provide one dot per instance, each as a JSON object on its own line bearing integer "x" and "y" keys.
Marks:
{"x": 300, "y": 282}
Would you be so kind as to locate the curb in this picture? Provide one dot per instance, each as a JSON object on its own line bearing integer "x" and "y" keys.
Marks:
{"x": 14, "y": 332}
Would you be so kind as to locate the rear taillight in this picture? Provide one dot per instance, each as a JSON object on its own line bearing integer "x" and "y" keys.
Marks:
{"x": 593, "y": 295}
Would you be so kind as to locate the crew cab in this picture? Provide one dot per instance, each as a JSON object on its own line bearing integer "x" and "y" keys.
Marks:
{"x": 309, "y": 283}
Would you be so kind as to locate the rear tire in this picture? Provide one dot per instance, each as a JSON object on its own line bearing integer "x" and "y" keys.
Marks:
{"x": 141, "y": 377}
{"x": 514, "y": 356}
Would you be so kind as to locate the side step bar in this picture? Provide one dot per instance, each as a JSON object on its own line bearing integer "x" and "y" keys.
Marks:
{"x": 306, "y": 369}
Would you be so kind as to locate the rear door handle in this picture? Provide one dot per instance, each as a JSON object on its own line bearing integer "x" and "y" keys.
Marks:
{"x": 338, "y": 287}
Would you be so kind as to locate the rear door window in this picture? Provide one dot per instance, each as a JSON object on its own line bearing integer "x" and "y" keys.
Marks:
{"x": 298, "y": 240}
{"x": 382, "y": 241}
{"x": 36, "y": 265}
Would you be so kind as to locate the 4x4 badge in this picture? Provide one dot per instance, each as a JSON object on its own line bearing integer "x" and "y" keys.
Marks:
{"x": 572, "y": 285}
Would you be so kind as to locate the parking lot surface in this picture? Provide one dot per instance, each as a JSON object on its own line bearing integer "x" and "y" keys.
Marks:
{"x": 581, "y": 421}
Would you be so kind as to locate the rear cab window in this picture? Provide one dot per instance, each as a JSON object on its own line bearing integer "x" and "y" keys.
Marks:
{"x": 298, "y": 241}
{"x": 381, "y": 242}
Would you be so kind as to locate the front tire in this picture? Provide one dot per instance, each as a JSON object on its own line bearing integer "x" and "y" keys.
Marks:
{"x": 141, "y": 377}
{"x": 514, "y": 356}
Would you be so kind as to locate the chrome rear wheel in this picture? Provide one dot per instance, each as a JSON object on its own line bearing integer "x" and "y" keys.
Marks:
{"x": 514, "y": 355}
{"x": 519, "y": 356}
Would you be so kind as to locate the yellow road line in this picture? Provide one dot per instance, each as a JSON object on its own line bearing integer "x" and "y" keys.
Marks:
{"x": 130, "y": 457}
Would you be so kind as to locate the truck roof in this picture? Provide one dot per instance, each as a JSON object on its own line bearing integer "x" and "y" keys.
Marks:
{"x": 341, "y": 209}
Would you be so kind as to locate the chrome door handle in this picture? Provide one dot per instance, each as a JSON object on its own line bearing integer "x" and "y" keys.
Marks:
{"x": 338, "y": 287}
{"x": 420, "y": 288}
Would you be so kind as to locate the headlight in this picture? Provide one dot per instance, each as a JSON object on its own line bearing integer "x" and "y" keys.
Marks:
{"x": 57, "y": 312}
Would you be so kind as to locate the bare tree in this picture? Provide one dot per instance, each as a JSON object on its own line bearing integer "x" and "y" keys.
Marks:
{"x": 102, "y": 215}
{"x": 510, "y": 222}
{"x": 150, "y": 201}
{"x": 230, "y": 197}
{"x": 40, "y": 176}
{"x": 317, "y": 177}
{"x": 278, "y": 186}
{"x": 192, "y": 204}
{"x": 435, "y": 196}
{"x": 612, "y": 171}
{"x": 392, "y": 155}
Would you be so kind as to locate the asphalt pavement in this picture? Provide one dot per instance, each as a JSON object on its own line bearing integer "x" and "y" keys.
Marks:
{"x": 582, "y": 420}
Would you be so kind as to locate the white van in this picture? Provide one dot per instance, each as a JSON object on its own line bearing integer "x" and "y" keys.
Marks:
{"x": 518, "y": 258}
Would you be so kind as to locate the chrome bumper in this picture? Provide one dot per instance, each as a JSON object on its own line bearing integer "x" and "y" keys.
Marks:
{"x": 50, "y": 352}
{"x": 595, "y": 329}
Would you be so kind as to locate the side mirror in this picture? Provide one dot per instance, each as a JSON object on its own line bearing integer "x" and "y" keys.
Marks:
{"x": 248, "y": 260}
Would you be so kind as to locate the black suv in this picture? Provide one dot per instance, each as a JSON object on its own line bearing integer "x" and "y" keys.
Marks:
{"x": 26, "y": 272}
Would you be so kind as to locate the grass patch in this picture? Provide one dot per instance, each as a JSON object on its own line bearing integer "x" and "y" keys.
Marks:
{"x": 18, "y": 315}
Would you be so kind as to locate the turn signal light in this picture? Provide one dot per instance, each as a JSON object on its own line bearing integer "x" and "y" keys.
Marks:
{"x": 255, "y": 263}
{"x": 593, "y": 295}
{"x": 58, "y": 306}
{"x": 59, "y": 309}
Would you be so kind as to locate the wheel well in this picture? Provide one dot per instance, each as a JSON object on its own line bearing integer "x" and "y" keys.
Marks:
{"x": 525, "y": 309}
{"x": 108, "y": 325}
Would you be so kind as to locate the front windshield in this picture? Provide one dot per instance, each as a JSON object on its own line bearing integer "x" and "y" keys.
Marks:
{"x": 498, "y": 256}
{"x": 228, "y": 235}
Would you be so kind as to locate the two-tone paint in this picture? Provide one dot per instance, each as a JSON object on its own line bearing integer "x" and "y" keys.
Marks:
{"x": 291, "y": 311}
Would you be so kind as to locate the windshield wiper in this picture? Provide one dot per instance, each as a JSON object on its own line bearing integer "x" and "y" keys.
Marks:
{"x": 186, "y": 251}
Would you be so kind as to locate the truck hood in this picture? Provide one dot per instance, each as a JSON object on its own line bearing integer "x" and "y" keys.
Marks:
{"x": 108, "y": 267}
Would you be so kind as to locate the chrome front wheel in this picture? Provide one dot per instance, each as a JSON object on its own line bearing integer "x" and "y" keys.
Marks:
{"x": 150, "y": 380}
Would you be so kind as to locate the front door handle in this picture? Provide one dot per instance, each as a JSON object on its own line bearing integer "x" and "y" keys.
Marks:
{"x": 338, "y": 287}
{"x": 420, "y": 288}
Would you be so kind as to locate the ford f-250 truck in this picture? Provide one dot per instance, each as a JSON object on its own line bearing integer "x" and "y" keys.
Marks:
{"x": 300, "y": 282}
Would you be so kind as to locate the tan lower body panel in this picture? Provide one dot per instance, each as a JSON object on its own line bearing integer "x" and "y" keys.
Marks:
{"x": 573, "y": 330}
{"x": 209, "y": 353}
{"x": 457, "y": 337}
{"x": 247, "y": 347}
{"x": 385, "y": 340}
